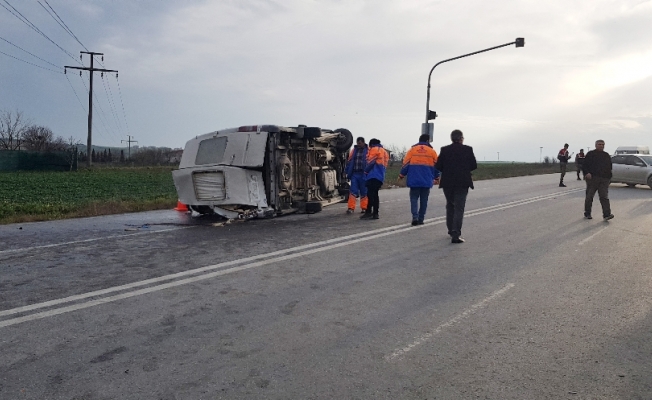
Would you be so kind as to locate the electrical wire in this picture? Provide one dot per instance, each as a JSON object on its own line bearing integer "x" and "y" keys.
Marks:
{"x": 33, "y": 55}
{"x": 75, "y": 91}
{"x": 123, "y": 104}
{"x": 27, "y": 22}
{"x": 61, "y": 23}
{"x": 101, "y": 114}
{"x": 27, "y": 62}
{"x": 112, "y": 106}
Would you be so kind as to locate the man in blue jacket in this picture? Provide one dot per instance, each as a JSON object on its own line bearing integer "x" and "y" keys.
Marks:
{"x": 419, "y": 166}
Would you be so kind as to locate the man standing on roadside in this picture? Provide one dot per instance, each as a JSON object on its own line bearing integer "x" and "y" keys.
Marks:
{"x": 597, "y": 173}
{"x": 419, "y": 166}
{"x": 355, "y": 171}
{"x": 579, "y": 160}
{"x": 455, "y": 162}
{"x": 563, "y": 157}
{"x": 377, "y": 159}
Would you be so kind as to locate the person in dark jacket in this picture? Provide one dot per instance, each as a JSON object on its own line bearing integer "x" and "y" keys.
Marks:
{"x": 377, "y": 159}
{"x": 579, "y": 160}
{"x": 597, "y": 173}
{"x": 355, "y": 171}
{"x": 455, "y": 162}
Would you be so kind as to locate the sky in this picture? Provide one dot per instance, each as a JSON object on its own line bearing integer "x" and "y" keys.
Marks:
{"x": 192, "y": 67}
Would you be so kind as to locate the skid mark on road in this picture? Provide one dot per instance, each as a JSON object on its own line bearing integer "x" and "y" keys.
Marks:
{"x": 455, "y": 320}
{"x": 212, "y": 271}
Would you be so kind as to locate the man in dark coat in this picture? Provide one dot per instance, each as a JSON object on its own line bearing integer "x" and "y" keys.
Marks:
{"x": 455, "y": 162}
{"x": 597, "y": 173}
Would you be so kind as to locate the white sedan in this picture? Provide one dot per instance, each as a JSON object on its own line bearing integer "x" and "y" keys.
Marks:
{"x": 632, "y": 169}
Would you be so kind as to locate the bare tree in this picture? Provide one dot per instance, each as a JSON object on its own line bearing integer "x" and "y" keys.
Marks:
{"x": 396, "y": 153}
{"x": 37, "y": 138}
{"x": 12, "y": 129}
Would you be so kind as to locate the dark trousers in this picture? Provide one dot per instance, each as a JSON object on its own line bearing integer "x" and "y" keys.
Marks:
{"x": 373, "y": 186}
{"x": 600, "y": 185}
{"x": 562, "y": 169}
{"x": 455, "y": 202}
{"x": 419, "y": 202}
{"x": 579, "y": 169}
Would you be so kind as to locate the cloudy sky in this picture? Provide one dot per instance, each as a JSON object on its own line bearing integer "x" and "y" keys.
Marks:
{"x": 191, "y": 67}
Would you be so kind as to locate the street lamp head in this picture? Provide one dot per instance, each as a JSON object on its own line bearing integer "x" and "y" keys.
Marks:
{"x": 520, "y": 42}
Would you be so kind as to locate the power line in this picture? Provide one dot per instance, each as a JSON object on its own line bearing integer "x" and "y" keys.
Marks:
{"x": 102, "y": 120}
{"x": 123, "y": 104}
{"x": 111, "y": 106}
{"x": 75, "y": 92}
{"x": 33, "y": 55}
{"x": 27, "y": 62}
{"x": 62, "y": 23}
{"x": 27, "y": 22}
{"x": 91, "y": 70}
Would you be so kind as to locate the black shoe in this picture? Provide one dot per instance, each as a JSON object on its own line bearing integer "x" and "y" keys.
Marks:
{"x": 415, "y": 222}
{"x": 375, "y": 216}
{"x": 587, "y": 216}
{"x": 608, "y": 217}
{"x": 349, "y": 211}
{"x": 561, "y": 184}
{"x": 457, "y": 240}
{"x": 366, "y": 216}
{"x": 419, "y": 222}
{"x": 579, "y": 179}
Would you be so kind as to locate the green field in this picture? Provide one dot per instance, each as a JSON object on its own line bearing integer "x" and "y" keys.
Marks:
{"x": 38, "y": 196}
{"x": 33, "y": 196}
{"x": 489, "y": 171}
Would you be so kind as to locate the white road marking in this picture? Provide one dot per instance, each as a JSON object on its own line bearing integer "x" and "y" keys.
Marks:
{"x": 592, "y": 236}
{"x": 45, "y": 246}
{"x": 285, "y": 254}
{"x": 466, "y": 313}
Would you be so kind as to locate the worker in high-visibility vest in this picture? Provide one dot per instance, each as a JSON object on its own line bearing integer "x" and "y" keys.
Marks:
{"x": 377, "y": 159}
{"x": 419, "y": 167}
{"x": 355, "y": 171}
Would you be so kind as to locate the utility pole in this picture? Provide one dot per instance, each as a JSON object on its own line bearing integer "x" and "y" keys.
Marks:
{"x": 130, "y": 142}
{"x": 540, "y": 154}
{"x": 498, "y": 155}
{"x": 89, "y": 141}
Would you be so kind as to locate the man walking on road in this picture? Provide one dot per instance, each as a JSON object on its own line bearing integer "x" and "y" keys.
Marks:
{"x": 455, "y": 162}
{"x": 579, "y": 160}
{"x": 597, "y": 173}
{"x": 563, "y": 157}
{"x": 419, "y": 166}
{"x": 355, "y": 171}
{"x": 377, "y": 159}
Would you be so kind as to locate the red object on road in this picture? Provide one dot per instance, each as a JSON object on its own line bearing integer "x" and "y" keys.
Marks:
{"x": 181, "y": 207}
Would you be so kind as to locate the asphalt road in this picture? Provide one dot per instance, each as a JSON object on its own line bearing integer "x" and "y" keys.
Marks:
{"x": 539, "y": 303}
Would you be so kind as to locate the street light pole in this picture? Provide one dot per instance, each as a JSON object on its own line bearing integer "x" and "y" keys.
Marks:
{"x": 519, "y": 42}
{"x": 540, "y": 154}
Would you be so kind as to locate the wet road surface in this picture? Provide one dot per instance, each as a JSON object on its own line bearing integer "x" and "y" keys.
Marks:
{"x": 538, "y": 303}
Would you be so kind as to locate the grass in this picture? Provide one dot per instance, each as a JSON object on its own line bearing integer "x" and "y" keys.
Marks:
{"x": 487, "y": 171}
{"x": 38, "y": 196}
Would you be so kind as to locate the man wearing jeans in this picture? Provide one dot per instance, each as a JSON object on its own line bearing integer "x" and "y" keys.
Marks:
{"x": 455, "y": 162}
{"x": 419, "y": 166}
{"x": 355, "y": 171}
{"x": 597, "y": 173}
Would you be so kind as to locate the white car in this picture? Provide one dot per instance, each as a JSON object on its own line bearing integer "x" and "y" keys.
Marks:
{"x": 632, "y": 169}
{"x": 264, "y": 170}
